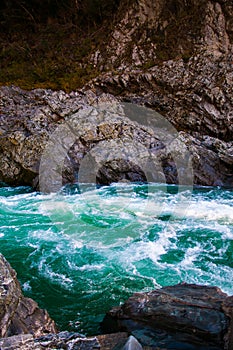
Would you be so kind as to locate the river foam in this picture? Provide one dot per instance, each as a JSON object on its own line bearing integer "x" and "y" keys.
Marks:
{"x": 80, "y": 252}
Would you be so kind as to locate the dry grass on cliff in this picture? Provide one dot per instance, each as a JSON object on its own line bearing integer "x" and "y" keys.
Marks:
{"x": 53, "y": 57}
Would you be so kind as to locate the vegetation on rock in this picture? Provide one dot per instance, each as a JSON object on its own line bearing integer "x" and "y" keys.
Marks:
{"x": 46, "y": 44}
{"x": 52, "y": 44}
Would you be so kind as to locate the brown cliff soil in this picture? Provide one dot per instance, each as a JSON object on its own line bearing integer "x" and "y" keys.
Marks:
{"x": 52, "y": 45}
{"x": 47, "y": 44}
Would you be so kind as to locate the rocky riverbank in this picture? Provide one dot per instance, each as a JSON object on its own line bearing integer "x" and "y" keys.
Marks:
{"x": 50, "y": 134}
{"x": 175, "y": 317}
{"x": 184, "y": 316}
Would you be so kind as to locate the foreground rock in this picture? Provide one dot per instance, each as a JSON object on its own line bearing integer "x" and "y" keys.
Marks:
{"x": 62, "y": 340}
{"x": 177, "y": 317}
{"x": 19, "y": 315}
{"x": 71, "y": 341}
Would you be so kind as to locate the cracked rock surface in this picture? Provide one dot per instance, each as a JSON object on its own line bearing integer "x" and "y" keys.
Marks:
{"x": 18, "y": 314}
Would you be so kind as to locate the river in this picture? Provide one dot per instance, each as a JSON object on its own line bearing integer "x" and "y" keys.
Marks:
{"x": 84, "y": 250}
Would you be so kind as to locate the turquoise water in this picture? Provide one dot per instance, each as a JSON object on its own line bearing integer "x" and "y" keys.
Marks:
{"x": 80, "y": 252}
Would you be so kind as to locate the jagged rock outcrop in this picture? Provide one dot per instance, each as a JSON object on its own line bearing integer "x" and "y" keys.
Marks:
{"x": 174, "y": 317}
{"x": 176, "y": 57}
{"x": 147, "y": 32}
{"x": 45, "y": 137}
{"x": 172, "y": 56}
{"x": 19, "y": 315}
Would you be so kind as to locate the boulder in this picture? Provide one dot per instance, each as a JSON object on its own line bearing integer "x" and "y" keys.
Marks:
{"x": 18, "y": 314}
{"x": 184, "y": 316}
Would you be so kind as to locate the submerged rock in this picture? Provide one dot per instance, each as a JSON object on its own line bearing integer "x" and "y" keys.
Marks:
{"x": 181, "y": 316}
{"x": 19, "y": 315}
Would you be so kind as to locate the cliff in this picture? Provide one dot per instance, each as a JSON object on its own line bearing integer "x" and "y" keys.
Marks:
{"x": 174, "y": 57}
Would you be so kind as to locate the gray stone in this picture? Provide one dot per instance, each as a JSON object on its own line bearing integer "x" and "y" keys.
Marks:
{"x": 68, "y": 341}
{"x": 19, "y": 315}
{"x": 192, "y": 316}
{"x": 39, "y": 143}
{"x": 19, "y": 342}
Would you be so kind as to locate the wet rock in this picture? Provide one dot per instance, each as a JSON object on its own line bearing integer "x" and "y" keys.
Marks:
{"x": 19, "y": 315}
{"x": 181, "y": 316}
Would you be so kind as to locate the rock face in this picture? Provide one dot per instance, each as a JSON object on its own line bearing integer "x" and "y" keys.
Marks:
{"x": 19, "y": 315}
{"x": 176, "y": 57}
{"x": 182, "y": 316}
{"x": 172, "y": 56}
{"x": 46, "y": 137}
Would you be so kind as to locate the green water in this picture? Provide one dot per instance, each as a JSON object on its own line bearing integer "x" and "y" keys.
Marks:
{"x": 79, "y": 254}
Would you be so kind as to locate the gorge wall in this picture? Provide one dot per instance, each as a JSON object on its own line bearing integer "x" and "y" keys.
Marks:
{"x": 174, "y": 57}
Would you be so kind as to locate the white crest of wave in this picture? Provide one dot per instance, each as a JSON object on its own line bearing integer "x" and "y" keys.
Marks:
{"x": 210, "y": 210}
{"x": 60, "y": 278}
{"x": 147, "y": 249}
{"x": 191, "y": 255}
